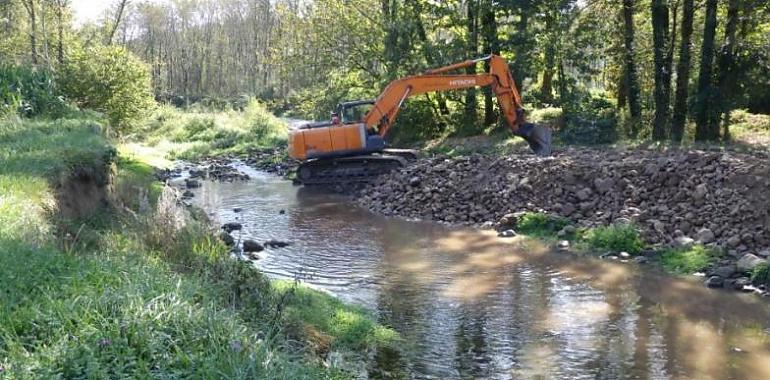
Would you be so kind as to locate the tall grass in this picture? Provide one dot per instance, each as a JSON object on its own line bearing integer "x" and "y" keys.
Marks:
{"x": 28, "y": 91}
{"x": 194, "y": 134}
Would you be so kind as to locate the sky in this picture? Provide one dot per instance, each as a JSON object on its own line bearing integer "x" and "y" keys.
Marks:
{"x": 89, "y": 10}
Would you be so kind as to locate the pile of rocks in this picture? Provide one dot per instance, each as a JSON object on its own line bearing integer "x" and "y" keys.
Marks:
{"x": 273, "y": 160}
{"x": 219, "y": 169}
{"x": 675, "y": 197}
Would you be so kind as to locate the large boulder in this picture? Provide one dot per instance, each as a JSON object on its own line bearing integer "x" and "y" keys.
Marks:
{"x": 232, "y": 226}
{"x": 748, "y": 262}
{"x": 252, "y": 246}
{"x": 705, "y": 236}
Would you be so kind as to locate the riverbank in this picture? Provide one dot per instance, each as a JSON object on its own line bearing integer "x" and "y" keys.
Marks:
{"x": 105, "y": 274}
{"x": 690, "y": 210}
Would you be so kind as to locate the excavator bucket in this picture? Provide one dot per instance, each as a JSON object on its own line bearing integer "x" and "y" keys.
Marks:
{"x": 538, "y": 138}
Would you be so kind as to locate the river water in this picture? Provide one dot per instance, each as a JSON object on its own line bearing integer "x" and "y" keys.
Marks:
{"x": 472, "y": 305}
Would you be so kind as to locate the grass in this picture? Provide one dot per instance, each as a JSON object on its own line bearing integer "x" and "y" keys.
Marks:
{"x": 615, "y": 238}
{"x": 143, "y": 290}
{"x": 194, "y": 134}
{"x": 761, "y": 274}
{"x": 540, "y": 224}
{"x": 687, "y": 260}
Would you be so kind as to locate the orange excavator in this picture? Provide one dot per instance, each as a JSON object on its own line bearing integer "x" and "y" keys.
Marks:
{"x": 351, "y": 146}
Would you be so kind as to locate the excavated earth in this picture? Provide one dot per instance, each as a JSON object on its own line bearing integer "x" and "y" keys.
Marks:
{"x": 714, "y": 197}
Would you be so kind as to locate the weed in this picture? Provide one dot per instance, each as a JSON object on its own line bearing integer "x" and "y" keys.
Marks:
{"x": 687, "y": 260}
{"x": 615, "y": 238}
{"x": 540, "y": 224}
{"x": 761, "y": 274}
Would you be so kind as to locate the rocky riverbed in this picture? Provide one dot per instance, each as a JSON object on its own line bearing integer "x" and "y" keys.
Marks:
{"x": 716, "y": 198}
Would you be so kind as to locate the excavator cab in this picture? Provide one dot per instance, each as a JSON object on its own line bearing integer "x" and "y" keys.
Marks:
{"x": 354, "y": 112}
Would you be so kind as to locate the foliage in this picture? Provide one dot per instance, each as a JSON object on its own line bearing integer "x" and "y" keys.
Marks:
{"x": 111, "y": 80}
{"x": 29, "y": 92}
{"x": 615, "y": 238}
{"x": 540, "y": 224}
{"x": 688, "y": 259}
{"x": 760, "y": 275}
{"x": 590, "y": 119}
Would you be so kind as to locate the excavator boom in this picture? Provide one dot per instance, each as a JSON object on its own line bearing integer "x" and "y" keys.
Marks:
{"x": 337, "y": 139}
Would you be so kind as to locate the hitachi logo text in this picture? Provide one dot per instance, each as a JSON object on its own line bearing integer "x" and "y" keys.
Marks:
{"x": 462, "y": 82}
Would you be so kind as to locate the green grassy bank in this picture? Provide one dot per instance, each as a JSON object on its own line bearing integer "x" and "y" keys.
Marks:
{"x": 138, "y": 287}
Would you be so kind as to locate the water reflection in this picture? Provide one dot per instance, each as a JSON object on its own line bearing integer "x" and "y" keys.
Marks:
{"x": 476, "y": 306}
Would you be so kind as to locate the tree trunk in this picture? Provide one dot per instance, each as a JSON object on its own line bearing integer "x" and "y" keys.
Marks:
{"x": 118, "y": 17}
{"x": 45, "y": 33}
{"x": 521, "y": 48}
{"x": 491, "y": 46}
{"x": 632, "y": 80}
{"x": 30, "y": 7}
{"x": 723, "y": 103}
{"x": 662, "y": 68}
{"x": 60, "y": 5}
{"x": 389, "y": 12}
{"x": 473, "y": 48}
{"x": 546, "y": 87}
{"x": 704, "y": 130}
{"x": 682, "y": 74}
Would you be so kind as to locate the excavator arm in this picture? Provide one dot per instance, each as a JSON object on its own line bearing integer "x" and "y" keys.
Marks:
{"x": 386, "y": 107}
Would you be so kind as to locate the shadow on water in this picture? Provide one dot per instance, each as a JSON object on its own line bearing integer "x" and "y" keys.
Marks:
{"x": 472, "y": 305}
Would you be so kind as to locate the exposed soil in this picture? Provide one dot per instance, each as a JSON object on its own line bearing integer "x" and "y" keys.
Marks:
{"x": 83, "y": 192}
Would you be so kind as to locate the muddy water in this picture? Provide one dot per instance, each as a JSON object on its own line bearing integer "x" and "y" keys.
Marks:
{"x": 472, "y": 305}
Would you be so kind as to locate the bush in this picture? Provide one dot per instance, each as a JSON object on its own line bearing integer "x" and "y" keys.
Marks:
{"x": 687, "y": 260}
{"x": 111, "y": 80}
{"x": 616, "y": 238}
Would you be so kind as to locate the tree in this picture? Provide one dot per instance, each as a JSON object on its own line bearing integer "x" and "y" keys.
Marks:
{"x": 632, "y": 80}
{"x": 682, "y": 74}
{"x": 662, "y": 68}
{"x": 704, "y": 129}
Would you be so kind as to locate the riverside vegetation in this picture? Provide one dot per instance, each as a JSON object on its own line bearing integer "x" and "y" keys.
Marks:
{"x": 105, "y": 275}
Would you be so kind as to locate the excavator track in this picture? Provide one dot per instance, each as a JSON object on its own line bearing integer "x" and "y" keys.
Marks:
{"x": 350, "y": 169}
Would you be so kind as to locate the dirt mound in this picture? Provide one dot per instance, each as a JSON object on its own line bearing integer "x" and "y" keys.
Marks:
{"x": 713, "y": 196}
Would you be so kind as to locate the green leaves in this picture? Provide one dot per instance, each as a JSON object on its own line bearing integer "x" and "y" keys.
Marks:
{"x": 109, "y": 79}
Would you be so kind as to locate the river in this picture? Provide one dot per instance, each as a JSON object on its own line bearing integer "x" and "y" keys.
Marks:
{"x": 472, "y": 305}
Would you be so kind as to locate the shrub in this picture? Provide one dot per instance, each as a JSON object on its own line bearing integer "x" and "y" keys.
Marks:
{"x": 616, "y": 238}
{"x": 111, "y": 80}
{"x": 761, "y": 274}
{"x": 687, "y": 260}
